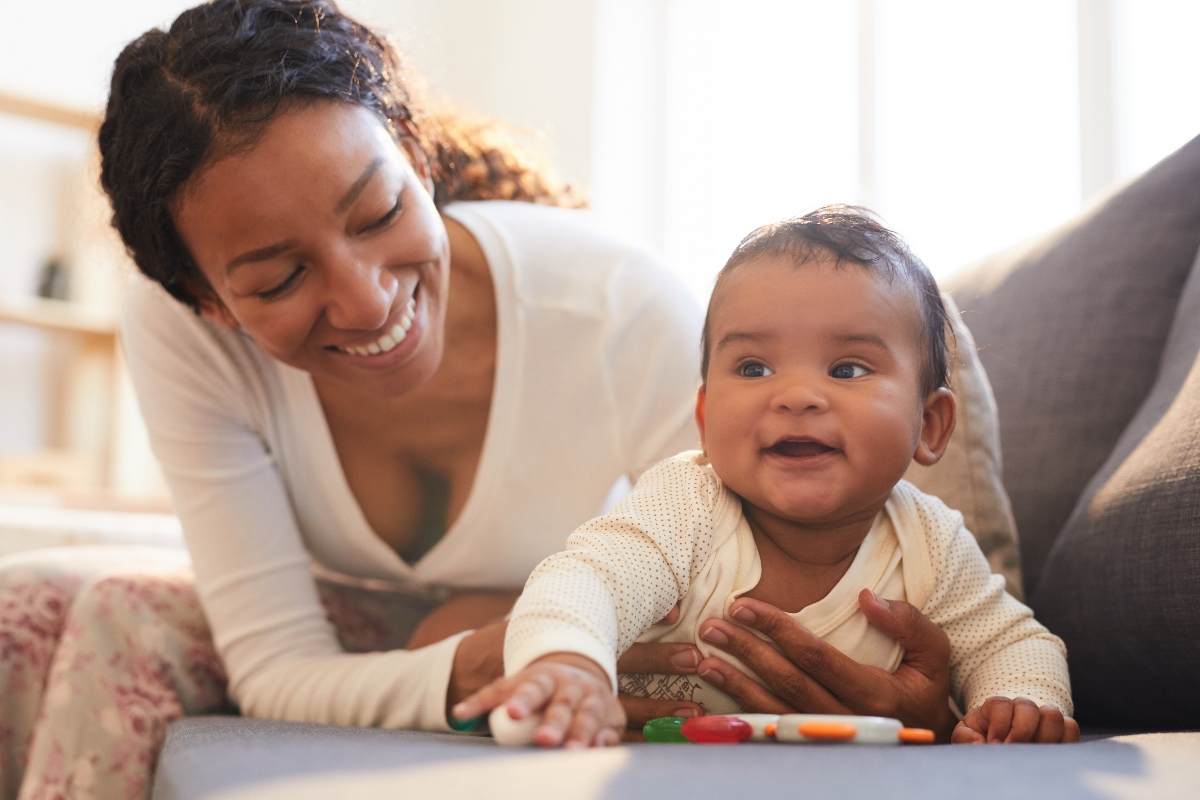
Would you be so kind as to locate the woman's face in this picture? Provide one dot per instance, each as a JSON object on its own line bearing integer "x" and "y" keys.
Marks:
{"x": 322, "y": 244}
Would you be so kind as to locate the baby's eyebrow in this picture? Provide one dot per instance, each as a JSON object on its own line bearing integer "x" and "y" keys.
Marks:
{"x": 861, "y": 338}
{"x": 740, "y": 336}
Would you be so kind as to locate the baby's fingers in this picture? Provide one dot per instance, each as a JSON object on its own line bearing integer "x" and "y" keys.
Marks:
{"x": 559, "y": 716}
{"x": 1051, "y": 726}
{"x": 998, "y": 711}
{"x": 485, "y": 699}
{"x": 964, "y": 734}
{"x": 1025, "y": 720}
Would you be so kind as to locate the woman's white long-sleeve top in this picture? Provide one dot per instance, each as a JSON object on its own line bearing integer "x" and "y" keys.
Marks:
{"x": 597, "y": 366}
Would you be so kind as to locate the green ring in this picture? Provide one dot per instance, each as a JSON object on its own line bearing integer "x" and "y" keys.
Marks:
{"x": 464, "y": 725}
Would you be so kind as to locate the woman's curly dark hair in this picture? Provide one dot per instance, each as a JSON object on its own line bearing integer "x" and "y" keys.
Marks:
{"x": 210, "y": 85}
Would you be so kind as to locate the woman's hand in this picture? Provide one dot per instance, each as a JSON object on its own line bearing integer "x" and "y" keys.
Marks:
{"x": 658, "y": 658}
{"x": 811, "y": 676}
{"x": 1003, "y": 720}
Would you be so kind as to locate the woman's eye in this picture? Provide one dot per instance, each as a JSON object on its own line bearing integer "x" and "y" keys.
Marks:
{"x": 386, "y": 218}
{"x": 754, "y": 369}
{"x": 276, "y": 291}
{"x": 848, "y": 371}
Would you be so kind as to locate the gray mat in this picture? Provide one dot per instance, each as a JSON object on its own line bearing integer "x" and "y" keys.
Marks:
{"x": 239, "y": 759}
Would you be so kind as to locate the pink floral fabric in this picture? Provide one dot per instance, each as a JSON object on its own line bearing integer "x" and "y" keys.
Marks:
{"x": 101, "y": 648}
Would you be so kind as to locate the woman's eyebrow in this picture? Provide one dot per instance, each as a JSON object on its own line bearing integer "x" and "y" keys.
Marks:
{"x": 357, "y": 187}
{"x": 261, "y": 254}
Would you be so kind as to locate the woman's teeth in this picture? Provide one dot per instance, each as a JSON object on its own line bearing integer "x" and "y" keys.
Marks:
{"x": 390, "y": 339}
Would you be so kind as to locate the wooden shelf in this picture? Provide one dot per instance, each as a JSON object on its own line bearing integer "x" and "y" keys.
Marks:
{"x": 58, "y": 315}
{"x": 56, "y": 113}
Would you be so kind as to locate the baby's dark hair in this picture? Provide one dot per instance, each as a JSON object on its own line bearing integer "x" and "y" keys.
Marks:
{"x": 850, "y": 235}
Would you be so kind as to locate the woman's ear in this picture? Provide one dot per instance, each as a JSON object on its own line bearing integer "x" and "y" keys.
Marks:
{"x": 211, "y": 307}
{"x": 937, "y": 423}
{"x": 417, "y": 158}
{"x": 700, "y": 401}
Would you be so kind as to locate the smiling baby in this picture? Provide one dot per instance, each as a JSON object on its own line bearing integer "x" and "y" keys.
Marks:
{"x": 824, "y": 376}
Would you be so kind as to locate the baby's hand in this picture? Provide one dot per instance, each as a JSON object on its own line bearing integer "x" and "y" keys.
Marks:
{"x": 573, "y": 693}
{"x": 1002, "y": 720}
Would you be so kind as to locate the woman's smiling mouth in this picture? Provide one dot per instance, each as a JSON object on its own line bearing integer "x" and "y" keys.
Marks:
{"x": 388, "y": 341}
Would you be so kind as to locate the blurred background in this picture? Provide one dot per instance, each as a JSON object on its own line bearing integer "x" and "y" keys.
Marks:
{"x": 967, "y": 126}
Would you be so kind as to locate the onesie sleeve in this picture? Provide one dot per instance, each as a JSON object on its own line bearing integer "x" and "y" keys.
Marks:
{"x": 997, "y": 648}
{"x": 622, "y": 572}
{"x": 652, "y": 358}
{"x": 205, "y": 404}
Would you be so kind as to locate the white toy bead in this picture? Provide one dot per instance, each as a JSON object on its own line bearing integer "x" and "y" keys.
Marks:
{"x": 853, "y": 730}
{"x": 758, "y": 724}
{"x": 509, "y": 732}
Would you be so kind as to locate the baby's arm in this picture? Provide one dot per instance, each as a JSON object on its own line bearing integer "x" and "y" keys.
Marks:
{"x": 1006, "y": 669}
{"x": 572, "y": 693}
{"x": 621, "y": 573}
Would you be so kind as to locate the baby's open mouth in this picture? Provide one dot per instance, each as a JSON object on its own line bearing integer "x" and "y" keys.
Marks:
{"x": 799, "y": 448}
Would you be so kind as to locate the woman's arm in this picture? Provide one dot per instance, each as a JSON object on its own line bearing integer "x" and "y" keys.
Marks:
{"x": 205, "y": 400}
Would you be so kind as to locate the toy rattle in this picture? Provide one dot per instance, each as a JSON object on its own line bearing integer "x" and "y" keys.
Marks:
{"x": 799, "y": 728}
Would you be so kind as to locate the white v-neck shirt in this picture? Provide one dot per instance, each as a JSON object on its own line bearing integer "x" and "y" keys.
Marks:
{"x": 596, "y": 371}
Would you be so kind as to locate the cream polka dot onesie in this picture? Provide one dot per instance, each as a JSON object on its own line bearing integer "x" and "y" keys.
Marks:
{"x": 680, "y": 536}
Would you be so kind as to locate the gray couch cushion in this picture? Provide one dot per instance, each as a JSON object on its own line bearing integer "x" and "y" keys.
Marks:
{"x": 1122, "y": 584}
{"x": 1070, "y": 329}
{"x": 235, "y": 759}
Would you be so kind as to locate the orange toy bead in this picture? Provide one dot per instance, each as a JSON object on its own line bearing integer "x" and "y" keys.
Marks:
{"x": 916, "y": 736}
{"x": 828, "y": 731}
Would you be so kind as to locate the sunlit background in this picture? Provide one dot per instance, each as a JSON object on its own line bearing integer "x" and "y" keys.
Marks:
{"x": 967, "y": 126}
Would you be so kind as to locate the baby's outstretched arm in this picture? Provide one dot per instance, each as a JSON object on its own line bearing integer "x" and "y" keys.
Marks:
{"x": 573, "y": 694}
{"x": 1001, "y": 720}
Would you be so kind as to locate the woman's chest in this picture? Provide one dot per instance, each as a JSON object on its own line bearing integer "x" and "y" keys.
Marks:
{"x": 410, "y": 470}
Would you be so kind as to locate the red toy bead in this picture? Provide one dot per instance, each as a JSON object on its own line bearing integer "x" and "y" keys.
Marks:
{"x": 716, "y": 730}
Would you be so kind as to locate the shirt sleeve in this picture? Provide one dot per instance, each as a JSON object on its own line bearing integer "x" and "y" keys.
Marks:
{"x": 622, "y": 572}
{"x": 205, "y": 404}
{"x": 997, "y": 648}
{"x": 653, "y": 361}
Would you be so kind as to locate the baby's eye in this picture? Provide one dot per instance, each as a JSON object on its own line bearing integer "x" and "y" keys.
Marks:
{"x": 848, "y": 371}
{"x": 753, "y": 369}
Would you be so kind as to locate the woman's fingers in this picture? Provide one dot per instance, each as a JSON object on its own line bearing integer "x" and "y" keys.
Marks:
{"x": 640, "y": 710}
{"x": 926, "y": 646}
{"x": 1025, "y": 719}
{"x": 785, "y": 676}
{"x": 660, "y": 658}
{"x": 749, "y": 695}
{"x": 838, "y": 675}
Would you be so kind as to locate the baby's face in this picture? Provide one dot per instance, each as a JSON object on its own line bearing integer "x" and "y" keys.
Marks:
{"x": 811, "y": 409}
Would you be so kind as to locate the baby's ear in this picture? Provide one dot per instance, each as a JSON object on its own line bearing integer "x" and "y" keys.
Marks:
{"x": 937, "y": 423}
{"x": 701, "y": 399}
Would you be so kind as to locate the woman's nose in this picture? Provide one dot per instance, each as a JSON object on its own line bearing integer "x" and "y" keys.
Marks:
{"x": 359, "y": 295}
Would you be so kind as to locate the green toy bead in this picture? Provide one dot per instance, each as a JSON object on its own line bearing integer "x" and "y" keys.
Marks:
{"x": 664, "y": 729}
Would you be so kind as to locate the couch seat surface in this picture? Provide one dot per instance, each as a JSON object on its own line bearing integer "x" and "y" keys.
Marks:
{"x": 240, "y": 759}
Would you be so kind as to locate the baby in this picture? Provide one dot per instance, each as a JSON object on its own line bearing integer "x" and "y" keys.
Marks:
{"x": 824, "y": 376}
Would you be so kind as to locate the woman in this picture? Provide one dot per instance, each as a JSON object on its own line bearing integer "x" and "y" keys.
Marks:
{"x": 347, "y": 372}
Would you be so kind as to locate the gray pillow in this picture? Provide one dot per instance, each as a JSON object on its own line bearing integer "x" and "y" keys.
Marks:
{"x": 1070, "y": 329}
{"x": 1122, "y": 584}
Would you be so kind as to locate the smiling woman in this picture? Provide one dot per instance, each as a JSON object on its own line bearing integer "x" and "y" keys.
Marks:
{"x": 371, "y": 395}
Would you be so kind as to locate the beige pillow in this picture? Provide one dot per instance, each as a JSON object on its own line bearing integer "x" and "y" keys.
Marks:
{"x": 968, "y": 476}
